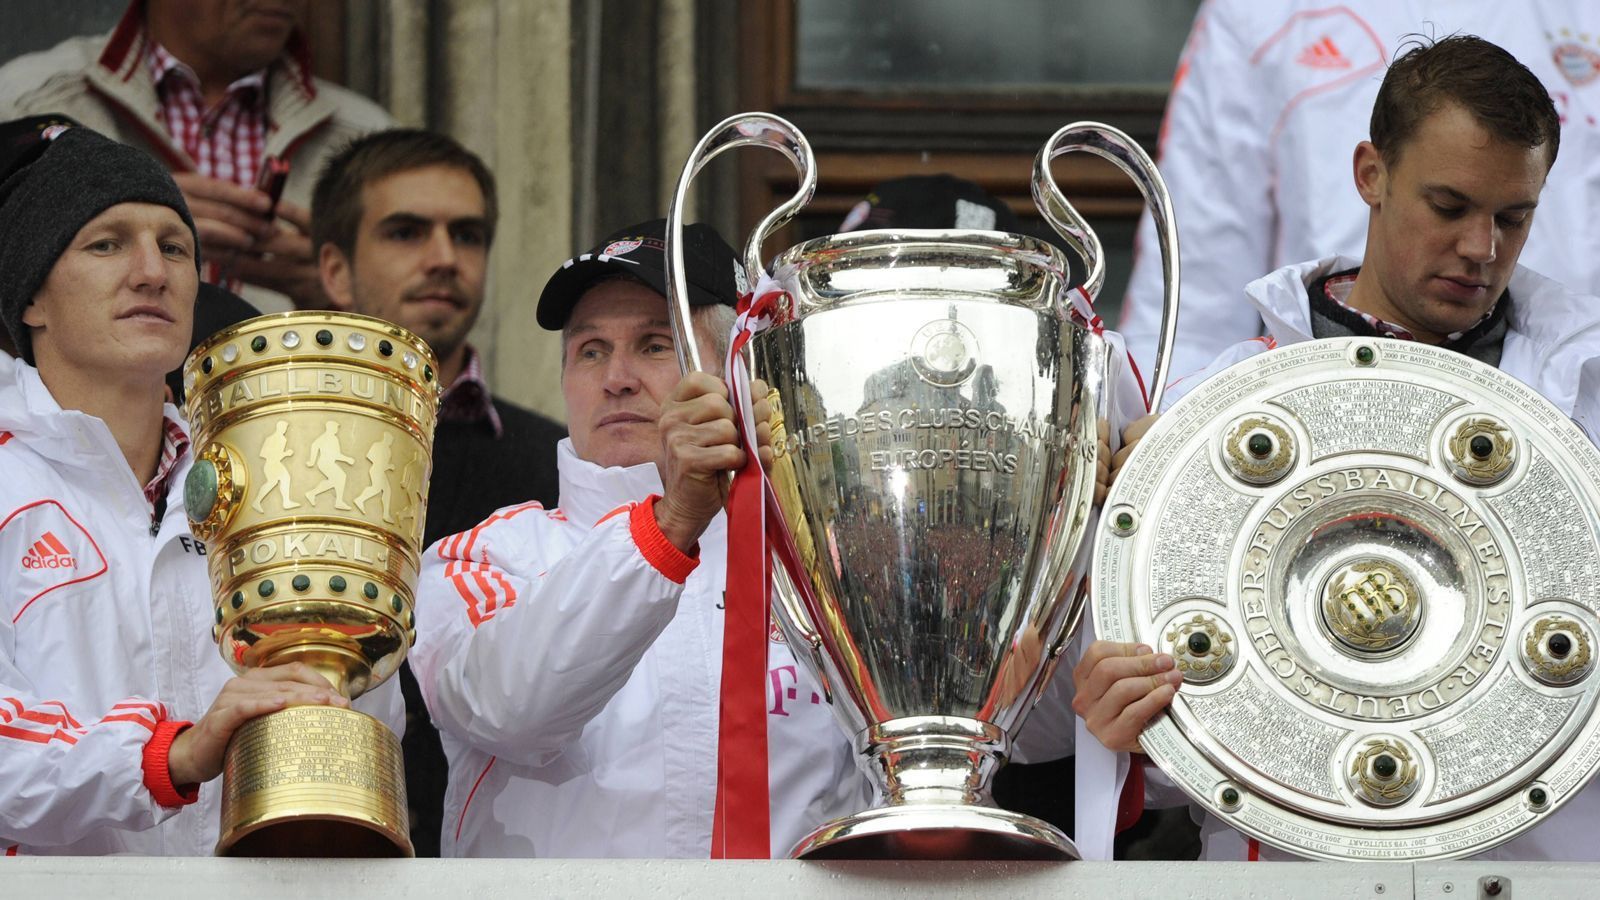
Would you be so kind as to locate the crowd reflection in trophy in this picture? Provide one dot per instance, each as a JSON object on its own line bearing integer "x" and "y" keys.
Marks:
{"x": 954, "y": 567}
{"x": 966, "y": 506}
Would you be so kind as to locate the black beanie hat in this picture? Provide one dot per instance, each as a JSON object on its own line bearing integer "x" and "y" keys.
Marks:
{"x": 80, "y": 175}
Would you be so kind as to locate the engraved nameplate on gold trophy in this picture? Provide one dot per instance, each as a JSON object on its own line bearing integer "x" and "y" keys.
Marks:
{"x": 313, "y": 437}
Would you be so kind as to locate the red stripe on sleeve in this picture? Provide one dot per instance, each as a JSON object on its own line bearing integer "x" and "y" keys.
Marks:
{"x": 44, "y": 718}
{"x": 132, "y": 717}
{"x": 464, "y": 572}
{"x": 506, "y": 590}
{"x": 35, "y": 737}
{"x": 510, "y": 512}
{"x": 475, "y": 612}
{"x": 61, "y": 725}
{"x": 65, "y": 713}
{"x": 490, "y": 598}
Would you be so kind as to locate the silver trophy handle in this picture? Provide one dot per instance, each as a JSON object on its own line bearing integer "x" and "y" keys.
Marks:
{"x": 1111, "y": 144}
{"x": 746, "y": 129}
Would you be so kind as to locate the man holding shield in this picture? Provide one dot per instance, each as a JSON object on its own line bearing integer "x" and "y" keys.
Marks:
{"x": 1462, "y": 138}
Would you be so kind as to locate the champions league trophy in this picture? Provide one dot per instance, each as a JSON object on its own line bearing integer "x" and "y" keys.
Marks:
{"x": 935, "y": 412}
{"x": 1377, "y": 565}
{"x": 314, "y": 439}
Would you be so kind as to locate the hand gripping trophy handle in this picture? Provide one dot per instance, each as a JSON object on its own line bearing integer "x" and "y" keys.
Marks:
{"x": 1113, "y": 145}
{"x": 744, "y": 130}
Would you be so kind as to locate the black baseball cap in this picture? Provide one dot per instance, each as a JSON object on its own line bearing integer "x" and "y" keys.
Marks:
{"x": 711, "y": 267}
{"x": 931, "y": 201}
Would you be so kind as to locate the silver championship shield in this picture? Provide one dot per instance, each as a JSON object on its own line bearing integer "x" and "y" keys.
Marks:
{"x": 1377, "y": 564}
{"x": 935, "y": 412}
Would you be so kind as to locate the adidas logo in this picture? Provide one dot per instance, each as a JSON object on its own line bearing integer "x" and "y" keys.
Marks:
{"x": 1323, "y": 54}
{"x": 49, "y": 553}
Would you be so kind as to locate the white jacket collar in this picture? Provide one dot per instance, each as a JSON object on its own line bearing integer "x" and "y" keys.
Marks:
{"x": 68, "y": 436}
{"x": 1551, "y": 331}
{"x": 1282, "y": 299}
{"x": 1543, "y": 310}
{"x": 589, "y": 491}
{"x": 31, "y": 413}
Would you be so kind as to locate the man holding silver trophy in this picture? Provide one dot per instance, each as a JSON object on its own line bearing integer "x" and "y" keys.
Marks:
{"x": 1375, "y": 621}
{"x": 938, "y": 425}
{"x": 569, "y": 656}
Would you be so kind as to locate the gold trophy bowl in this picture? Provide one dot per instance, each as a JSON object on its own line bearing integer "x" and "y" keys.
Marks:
{"x": 313, "y": 434}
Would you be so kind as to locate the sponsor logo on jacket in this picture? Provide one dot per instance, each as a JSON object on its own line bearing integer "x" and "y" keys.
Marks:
{"x": 50, "y": 549}
{"x": 1323, "y": 54}
{"x": 49, "y": 553}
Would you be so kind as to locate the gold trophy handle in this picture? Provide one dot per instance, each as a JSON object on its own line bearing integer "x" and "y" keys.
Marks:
{"x": 1110, "y": 144}
{"x": 756, "y": 129}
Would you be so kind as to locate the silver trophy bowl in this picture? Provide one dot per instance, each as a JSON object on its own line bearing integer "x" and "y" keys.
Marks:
{"x": 935, "y": 413}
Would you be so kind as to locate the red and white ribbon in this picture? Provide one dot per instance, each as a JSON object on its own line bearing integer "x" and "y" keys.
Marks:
{"x": 741, "y": 822}
{"x": 1084, "y": 314}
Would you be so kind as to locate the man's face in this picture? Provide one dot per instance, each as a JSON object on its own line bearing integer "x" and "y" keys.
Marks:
{"x": 246, "y": 35}
{"x": 1448, "y": 221}
{"x": 421, "y": 252}
{"x": 120, "y": 298}
{"x": 618, "y": 366}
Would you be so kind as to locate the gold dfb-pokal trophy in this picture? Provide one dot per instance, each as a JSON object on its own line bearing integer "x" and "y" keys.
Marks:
{"x": 935, "y": 404}
{"x": 313, "y": 437}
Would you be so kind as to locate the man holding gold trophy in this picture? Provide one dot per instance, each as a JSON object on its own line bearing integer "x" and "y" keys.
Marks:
{"x": 1386, "y": 652}
{"x": 114, "y": 705}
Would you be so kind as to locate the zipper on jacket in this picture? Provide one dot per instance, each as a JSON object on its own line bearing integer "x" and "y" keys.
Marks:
{"x": 160, "y": 513}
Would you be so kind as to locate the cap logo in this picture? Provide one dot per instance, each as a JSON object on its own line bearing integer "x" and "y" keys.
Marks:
{"x": 620, "y": 248}
{"x": 856, "y": 216}
{"x": 974, "y": 215}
